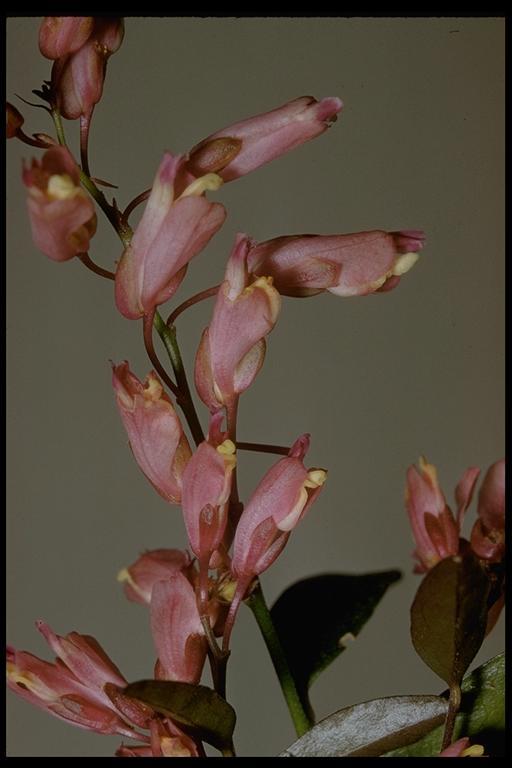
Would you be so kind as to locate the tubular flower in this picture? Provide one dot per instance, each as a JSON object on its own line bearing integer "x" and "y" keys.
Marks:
{"x": 232, "y": 348}
{"x": 346, "y": 265}
{"x": 80, "y": 47}
{"x": 177, "y": 630}
{"x": 488, "y": 534}
{"x": 173, "y": 230}
{"x": 277, "y": 505}
{"x": 62, "y": 216}
{"x": 154, "y": 430}
{"x": 72, "y": 687}
{"x": 151, "y": 567}
{"x": 206, "y": 489}
{"x": 434, "y": 527}
{"x": 241, "y": 148}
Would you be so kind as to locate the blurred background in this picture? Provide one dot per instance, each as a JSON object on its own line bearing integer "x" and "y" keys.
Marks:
{"x": 377, "y": 380}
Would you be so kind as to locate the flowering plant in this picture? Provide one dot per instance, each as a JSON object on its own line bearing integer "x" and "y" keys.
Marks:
{"x": 194, "y": 595}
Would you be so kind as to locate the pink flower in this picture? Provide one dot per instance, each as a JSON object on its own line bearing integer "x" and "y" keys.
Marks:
{"x": 156, "y": 436}
{"x": 232, "y": 348}
{"x": 462, "y": 748}
{"x": 80, "y": 46}
{"x": 206, "y": 489}
{"x": 434, "y": 527}
{"x": 173, "y": 230}
{"x": 488, "y": 534}
{"x": 346, "y": 265}
{"x": 151, "y": 567}
{"x": 177, "y": 630}
{"x": 73, "y": 687}
{"x": 241, "y": 148}
{"x": 61, "y": 35}
{"x": 62, "y": 216}
{"x": 277, "y": 505}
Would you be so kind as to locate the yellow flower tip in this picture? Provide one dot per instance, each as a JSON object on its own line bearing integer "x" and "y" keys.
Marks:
{"x": 476, "y": 750}
{"x": 227, "y": 448}
{"x": 210, "y": 182}
{"x": 62, "y": 187}
{"x": 266, "y": 284}
{"x": 152, "y": 389}
{"x": 316, "y": 478}
{"x": 404, "y": 263}
{"x": 226, "y": 591}
{"x": 124, "y": 575}
{"x": 172, "y": 747}
{"x": 428, "y": 470}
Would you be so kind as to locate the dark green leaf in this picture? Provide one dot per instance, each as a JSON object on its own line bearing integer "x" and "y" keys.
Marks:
{"x": 201, "y": 710}
{"x": 481, "y": 716}
{"x": 449, "y": 616}
{"x": 316, "y": 619}
{"x": 371, "y": 728}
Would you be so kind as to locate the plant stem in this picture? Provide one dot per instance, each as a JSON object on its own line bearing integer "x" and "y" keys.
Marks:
{"x": 280, "y": 450}
{"x": 148, "y": 343}
{"x": 85, "y": 123}
{"x": 90, "y": 264}
{"x": 229, "y": 751}
{"x": 190, "y": 302}
{"x": 135, "y": 202}
{"x": 183, "y": 397}
{"x": 258, "y": 606}
{"x": 453, "y": 708}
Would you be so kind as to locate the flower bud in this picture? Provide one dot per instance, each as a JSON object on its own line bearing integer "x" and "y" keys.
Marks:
{"x": 155, "y": 565}
{"x": 62, "y": 35}
{"x": 62, "y": 216}
{"x": 154, "y": 430}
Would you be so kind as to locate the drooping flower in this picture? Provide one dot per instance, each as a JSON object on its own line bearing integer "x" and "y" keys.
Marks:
{"x": 62, "y": 216}
{"x": 154, "y": 430}
{"x": 280, "y": 501}
{"x": 346, "y": 265}
{"x": 435, "y": 529}
{"x": 72, "y": 688}
{"x": 151, "y": 567}
{"x": 241, "y": 148}
{"x": 177, "y": 630}
{"x": 232, "y": 348}
{"x": 206, "y": 489}
{"x": 488, "y": 534}
{"x": 173, "y": 229}
{"x": 80, "y": 47}
{"x": 462, "y": 748}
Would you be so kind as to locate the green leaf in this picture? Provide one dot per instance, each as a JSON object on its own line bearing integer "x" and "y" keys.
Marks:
{"x": 371, "y": 728}
{"x": 316, "y": 619}
{"x": 481, "y": 716}
{"x": 201, "y": 710}
{"x": 449, "y": 616}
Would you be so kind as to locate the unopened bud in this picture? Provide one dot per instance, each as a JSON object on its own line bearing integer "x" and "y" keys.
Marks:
{"x": 45, "y": 140}
{"x": 14, "y": 120}
{"x": 109, "y": 33}
{"x": 213, "y": 155}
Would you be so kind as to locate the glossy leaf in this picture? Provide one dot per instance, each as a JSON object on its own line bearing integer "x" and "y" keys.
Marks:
{"x": 371, "y": 728}
{"x": 481, "y": 716}
{"x": 449, "y": 616}
{"x": 199, "y": 709}
{"x": 317, "y": 618}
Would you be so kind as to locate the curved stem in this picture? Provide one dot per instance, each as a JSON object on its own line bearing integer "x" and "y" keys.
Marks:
{"x": 280, "y": 450}
{"x": 22, "y": 136}
{"x": 183, "y": 396}
{"x": 453, "y": 708}
{"x": 85, "y": 124}
{"x": 148, "y": 343}
{"x": 258, "y": 606}
{"x": 90, "y": 264}
{"x": 135, "y": 202}
{"x": 190, "y": 302}
{"x": 124, "y": 231}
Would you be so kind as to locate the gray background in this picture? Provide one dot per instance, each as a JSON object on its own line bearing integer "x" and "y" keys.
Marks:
{"x": 376, "y": 380}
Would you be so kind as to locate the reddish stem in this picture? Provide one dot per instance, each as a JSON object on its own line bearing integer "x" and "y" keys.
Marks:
{"x": 85, "y": 124}
{"x": 280, "y": 450}
{"x": 190, "y": 303}
{"x": 135, "y": 202}
{"x": 90, "y": 264}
